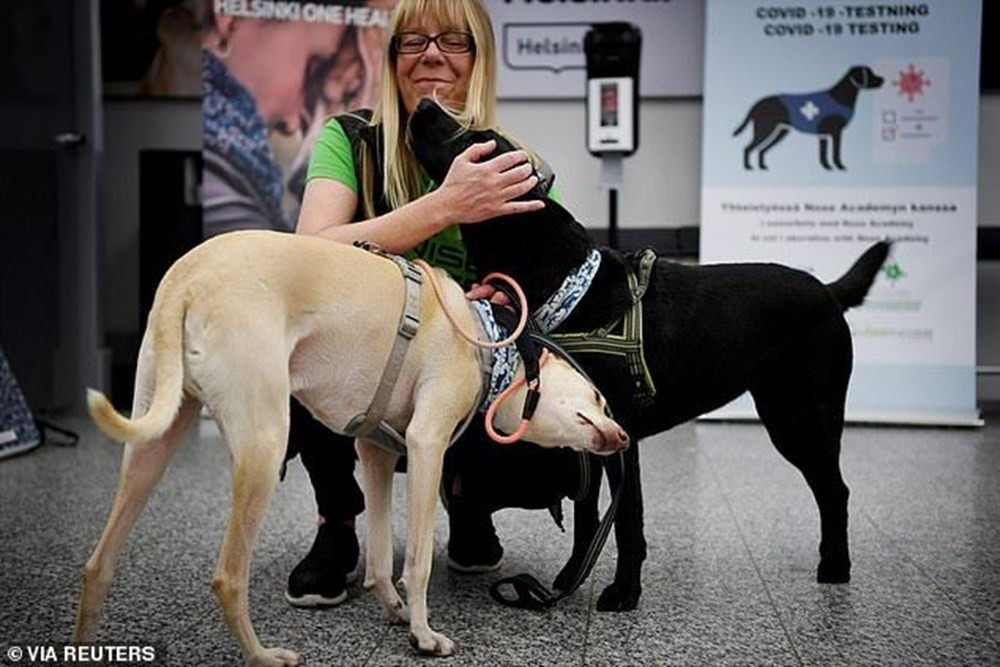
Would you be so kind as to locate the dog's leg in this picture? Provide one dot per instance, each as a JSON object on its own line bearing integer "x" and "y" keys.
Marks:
{"x": 255, "y": 424}
{"x": 824, "y": 146}
{"x": 623, "y": 594}
{"x": 830, "y": 129}
{"x": 142, "y": 467}
{"x": 770, "y": 121}
{"x": 821, "y": 470}
{"x": 426, "y": 441}
{"x": 377, "y": 466}
{"x": 827, "y": 483}
{"x": 805, "y": 424}
{"x": 747, "y": 150}
{"x": 760, "y": 141}
{"x": 769, "y": 143}
{"x": 835, "y": 138}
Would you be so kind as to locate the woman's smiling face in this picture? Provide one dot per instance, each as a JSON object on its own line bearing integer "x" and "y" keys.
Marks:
{"x": 433, "y": 73}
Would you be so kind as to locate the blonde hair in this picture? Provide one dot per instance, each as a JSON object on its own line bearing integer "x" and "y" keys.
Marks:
{"x": 401, "y": 175}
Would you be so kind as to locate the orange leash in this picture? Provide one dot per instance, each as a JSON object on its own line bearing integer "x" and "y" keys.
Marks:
{"x": 523, "y": 426}
{"x": 491, "y": 411}
{"x": 429, "y": 272}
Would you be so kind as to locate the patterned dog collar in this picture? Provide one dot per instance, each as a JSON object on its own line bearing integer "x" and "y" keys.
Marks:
{"x": 503, "y": 363}
{"x": 557, "y": 308}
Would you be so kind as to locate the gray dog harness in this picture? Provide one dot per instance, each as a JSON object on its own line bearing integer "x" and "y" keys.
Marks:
{"x": 369, "y": 424}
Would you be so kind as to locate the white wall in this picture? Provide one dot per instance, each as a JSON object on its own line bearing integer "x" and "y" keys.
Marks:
{"x": 662, "y": 186}
{"x": 661, "y": 180}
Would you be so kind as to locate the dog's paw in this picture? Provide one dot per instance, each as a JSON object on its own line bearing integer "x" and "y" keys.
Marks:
{"x": 561, "y": 581}
{"x": 399, "y": 615}
{"x": 393, "y": 603}
{"x": 433, "y": 643}
{"x": 832, "y": 572}
{"x": 619, "y": 598}
{"x": 276, "y": 657}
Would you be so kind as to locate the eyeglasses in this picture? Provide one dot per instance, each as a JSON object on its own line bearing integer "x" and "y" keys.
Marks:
{"x": 447, "y": 42}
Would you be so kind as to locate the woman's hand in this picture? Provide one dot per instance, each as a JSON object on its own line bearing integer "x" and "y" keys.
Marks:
{"x": 488, "y": 292}
{"x": 475, "y": 191}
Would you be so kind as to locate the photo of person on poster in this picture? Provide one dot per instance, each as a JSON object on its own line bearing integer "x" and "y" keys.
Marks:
{"x": 267, "y": 87}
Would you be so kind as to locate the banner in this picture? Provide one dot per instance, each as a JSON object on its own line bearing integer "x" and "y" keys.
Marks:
{"x": 150, "y": 49}
{"x": 829, "y": 125}
{"x": 540, "y": 45}
{"x": 272, "y": 74}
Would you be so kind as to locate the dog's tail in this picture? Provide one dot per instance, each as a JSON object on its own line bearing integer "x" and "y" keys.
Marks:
{"x": 167, "y": 334}
{"x": 743, "y": 126}
{"x": 851, "y": 288}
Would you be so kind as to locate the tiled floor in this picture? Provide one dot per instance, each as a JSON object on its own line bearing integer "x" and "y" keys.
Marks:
{"x": 732, "y": 532}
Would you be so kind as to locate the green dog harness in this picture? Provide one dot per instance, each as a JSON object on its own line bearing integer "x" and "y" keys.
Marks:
{"x": 622, "y": 338}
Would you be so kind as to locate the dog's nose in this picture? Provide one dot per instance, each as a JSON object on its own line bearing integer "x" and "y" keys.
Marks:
{"x": 619, "y": 439}
{"x": 610, "y": 439}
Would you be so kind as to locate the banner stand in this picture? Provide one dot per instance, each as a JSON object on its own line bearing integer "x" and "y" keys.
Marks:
{"x": 872, "y": 136}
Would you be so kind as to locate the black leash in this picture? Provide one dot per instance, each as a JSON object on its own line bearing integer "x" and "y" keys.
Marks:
{"x": 529, "y": 593}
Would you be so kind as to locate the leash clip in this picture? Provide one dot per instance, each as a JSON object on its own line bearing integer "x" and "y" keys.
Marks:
{"x": 531, "y": 399}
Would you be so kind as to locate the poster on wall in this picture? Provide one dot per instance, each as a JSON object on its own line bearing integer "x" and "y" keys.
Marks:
{"x": 540, "y": 46}
{"x": 150, "y": 48}
{"x": 272, "y": 73}
{"x": 871, "y": 135}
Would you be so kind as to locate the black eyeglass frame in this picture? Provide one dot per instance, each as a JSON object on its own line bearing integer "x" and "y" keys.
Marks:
{"x": 429, "y": 40}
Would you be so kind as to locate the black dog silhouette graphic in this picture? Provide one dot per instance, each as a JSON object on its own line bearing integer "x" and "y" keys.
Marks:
{"x": 825, "y": 113}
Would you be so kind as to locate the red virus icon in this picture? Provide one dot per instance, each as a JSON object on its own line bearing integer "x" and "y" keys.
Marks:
{"x": 911, "y": 82}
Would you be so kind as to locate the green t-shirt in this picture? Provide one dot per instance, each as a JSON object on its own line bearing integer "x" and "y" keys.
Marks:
{"x": 333, "y": 158}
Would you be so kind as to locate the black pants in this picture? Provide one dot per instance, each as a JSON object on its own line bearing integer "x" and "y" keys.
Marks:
{"x": 480, "y": 476}
{"x": 329, "y": 459}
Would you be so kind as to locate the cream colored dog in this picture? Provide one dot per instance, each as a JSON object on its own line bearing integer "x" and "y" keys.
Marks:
{"x": 248, "y": 318}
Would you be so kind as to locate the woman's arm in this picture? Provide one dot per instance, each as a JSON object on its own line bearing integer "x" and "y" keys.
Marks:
{"x": 328, "y": 207}
{"x": 472, "y": 191}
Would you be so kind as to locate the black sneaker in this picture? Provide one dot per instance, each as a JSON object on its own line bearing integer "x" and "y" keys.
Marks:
{"x": 475, "y": 560}
{"x": 321, "y": 579}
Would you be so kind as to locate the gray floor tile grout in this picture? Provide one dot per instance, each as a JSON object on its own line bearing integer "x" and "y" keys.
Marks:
{"x": 753, "y": 560}
{"x": 942, "y": 590}
{"x": 378, "y": 645}
{"x": 266, "y": 566}
{"x": 924, "y": 542}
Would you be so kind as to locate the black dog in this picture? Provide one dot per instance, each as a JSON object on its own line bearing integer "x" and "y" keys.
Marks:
{"x": 825, "y": 113}
{"x": 710, "y": 332}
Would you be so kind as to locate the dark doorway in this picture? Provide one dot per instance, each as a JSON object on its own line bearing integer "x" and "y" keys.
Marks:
{"x": 49, "y": 145}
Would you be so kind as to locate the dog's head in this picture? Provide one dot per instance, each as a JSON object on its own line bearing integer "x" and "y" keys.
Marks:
{"x": 864, "y": 77}
{"x": 436, "y": 138}
{"x": 570, "y": 413}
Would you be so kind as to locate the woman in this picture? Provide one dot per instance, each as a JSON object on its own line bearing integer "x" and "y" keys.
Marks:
{"x": 442, "y": 49}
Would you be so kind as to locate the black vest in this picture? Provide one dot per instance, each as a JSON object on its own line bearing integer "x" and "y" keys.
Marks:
{"x": 362, "y": 135}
